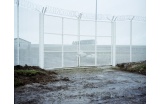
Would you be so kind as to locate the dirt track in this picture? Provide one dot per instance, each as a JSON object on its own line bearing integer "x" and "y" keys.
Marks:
{"x": 87, "y": 85}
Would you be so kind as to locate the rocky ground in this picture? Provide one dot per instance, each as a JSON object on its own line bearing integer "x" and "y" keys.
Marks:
{"x": 84, "y": 85}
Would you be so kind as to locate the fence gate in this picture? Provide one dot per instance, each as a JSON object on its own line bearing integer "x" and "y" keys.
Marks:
{"x": 71, "y": 42}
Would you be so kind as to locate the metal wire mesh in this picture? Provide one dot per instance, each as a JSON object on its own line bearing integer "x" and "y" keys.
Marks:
{"x": 72, "y": 38}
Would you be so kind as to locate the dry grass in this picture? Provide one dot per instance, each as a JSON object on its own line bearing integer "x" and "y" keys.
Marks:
{"x": 137, "y": 67}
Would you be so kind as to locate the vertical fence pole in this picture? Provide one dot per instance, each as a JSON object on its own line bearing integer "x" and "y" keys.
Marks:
{"x": 62, "y": 44}
{"x": 111, "y": 43}
{"x": 79, "y": 43}
{"x": 96, "y": 35}
{"x": 131, "y": 39}
{"x": 114, "y": 42}
{"x": 96, "y": 43}
{"x": 79, "y": 18}
{"x": 41, "y": 38}
{"x": 18, "y": 43}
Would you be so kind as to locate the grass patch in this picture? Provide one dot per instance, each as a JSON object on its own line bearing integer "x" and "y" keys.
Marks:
{"x": 22, "y": 77}
{"x": 137, "y": 67}
{"x": 32, "y": 74}
{"x": 28, "y": 72}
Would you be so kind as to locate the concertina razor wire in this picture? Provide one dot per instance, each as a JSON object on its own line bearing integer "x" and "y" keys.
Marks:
{"x": 75, "y": 14}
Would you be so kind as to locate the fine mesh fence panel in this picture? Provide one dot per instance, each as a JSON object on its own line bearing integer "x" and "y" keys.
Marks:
{"x": 70, "y": 43}
{"x": 52, "y": 51}
{"x": 52, "y": 59}
{"x": 70, "y": 50}
{"x": 87, "y": 44}
{"x": 138, "y": 53}
{"x": 87, "y": 49}
{"x": 103, "y": 58}
{"x": 104, "y": 50}
{"x": 52, "y": 42}
{"x": 52, "y": 24}
{"x": 103, "y": 43}
{"x": 122, "y": 41}
{"x": 87, "y": 28}
{"x": 122, "y": 53}
{"x": 29, "y": 37}
{"x": 87, "y": 59}
{"x": 70, "y": 26}
{"x": 103, "y": 29}
{"x": 138, "y": 41}
{"x": 25, "y": 47}
{"x": 70, "y": 59}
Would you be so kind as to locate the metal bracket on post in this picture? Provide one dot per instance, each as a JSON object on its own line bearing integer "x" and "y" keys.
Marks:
{"x": 78, "y": 56}
{"x": 113, "y": 41}
{"x": 131, "y": 39}
{"x": 41, "y": 37}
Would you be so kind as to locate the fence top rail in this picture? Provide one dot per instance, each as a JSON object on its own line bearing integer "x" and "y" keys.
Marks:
{"x": 74, "y": 14}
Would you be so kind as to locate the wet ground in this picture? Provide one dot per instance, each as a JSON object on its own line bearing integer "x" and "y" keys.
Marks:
{"x": 87, "y": 85}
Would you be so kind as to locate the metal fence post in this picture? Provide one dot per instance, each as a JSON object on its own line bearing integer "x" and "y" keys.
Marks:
{"x": 96, "y": 35}
{"x": 96, "y": 43}
{"x": 113, "y": 41}
{"x": 78, "y": 42}
{"x": 18, "y": 43}
{"x": 131, "y": 39}
{"x": 62, "y": 45}
{"x": 113, "y": 45}
{"x": 41, "y": 38}
{"x": 79, "y": 18}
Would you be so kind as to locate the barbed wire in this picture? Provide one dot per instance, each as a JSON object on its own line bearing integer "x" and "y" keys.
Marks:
{"x": 130, "y": 17}
{"x": 139, "y": 18}
{"x": 89, "y": 16}
{"x": 75, "y": 14}
{"x": 29, "y": 5}
{"x": 122, "y": 18}
{"x": 61, "y": 12}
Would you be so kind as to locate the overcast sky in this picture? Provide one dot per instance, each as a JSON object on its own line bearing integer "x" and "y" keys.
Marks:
{"x": 29, "y": 21}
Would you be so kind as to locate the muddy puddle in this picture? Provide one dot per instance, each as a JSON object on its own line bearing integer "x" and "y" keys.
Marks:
{"x": 86, "y": 85}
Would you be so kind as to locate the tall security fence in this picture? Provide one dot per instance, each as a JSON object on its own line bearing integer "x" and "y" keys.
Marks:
{"x": 50, "y": 37}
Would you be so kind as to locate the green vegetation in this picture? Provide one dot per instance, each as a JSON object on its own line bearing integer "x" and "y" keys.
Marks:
{"x": 28, "y": 72}
{"x": 137, "y": 67}
{"x": 32, "y": 74}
